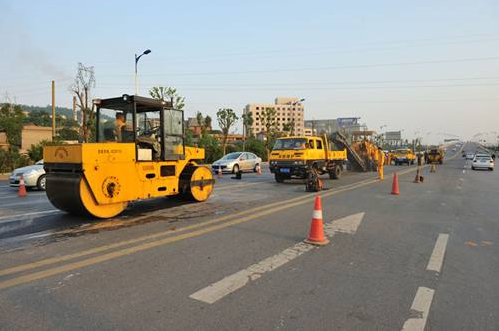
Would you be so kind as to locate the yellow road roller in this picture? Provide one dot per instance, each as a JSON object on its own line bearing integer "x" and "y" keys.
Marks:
{"x": 139, "y": 153}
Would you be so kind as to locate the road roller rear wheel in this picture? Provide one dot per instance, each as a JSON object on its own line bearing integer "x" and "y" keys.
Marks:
{"x": 199, "y": 182}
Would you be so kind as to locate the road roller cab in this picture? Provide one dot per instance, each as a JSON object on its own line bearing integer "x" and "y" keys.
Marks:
{"x": 139, "y": 154}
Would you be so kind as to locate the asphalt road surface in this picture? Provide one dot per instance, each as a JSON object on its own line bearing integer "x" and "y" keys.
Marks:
{"x": 426, "y": 259}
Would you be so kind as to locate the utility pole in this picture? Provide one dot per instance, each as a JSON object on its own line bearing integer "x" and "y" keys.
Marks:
{"x": 53, "y": 110}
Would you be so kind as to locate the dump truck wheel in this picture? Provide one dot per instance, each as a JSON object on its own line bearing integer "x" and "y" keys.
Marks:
{"x": 335, "y": 173}
{"x": 279, "y": 178}
{"x": 197, "y": 182}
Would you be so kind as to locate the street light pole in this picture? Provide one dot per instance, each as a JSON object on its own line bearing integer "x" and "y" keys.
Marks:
{"x": 147, "y": 51}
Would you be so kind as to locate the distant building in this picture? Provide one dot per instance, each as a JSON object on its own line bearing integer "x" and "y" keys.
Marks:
{"x": 195, "y": 127}
{"x": 4, "y": 142}
{"x": 287, "y": 110}
{"x": 231, "y": 138}
{"x": 32, "y": 134}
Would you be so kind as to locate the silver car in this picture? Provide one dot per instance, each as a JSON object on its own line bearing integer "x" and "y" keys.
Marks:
{"x": 34, "y": 176}
{"x": 233, "y": 162}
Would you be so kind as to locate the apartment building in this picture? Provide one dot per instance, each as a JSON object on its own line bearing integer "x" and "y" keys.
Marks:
{"x": 287, "y": 110}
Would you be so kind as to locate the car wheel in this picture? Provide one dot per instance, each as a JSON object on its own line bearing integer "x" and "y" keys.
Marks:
{"x": 491, "y": 169}
{"x": 235, "y": 169}
{"x": 41, "y": 183}
{"x": 472, "y": 168}
{"x": 256, "y": 167}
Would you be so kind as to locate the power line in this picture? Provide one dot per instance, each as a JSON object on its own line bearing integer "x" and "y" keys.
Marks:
{"x": 379, "y": 65}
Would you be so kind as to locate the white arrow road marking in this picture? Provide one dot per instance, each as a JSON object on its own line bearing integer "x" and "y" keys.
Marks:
{"x": 437, "y": 257}
{"x": 419, "y": 309}
{"x": 229, "y": 284}
{"x": 347, "y": 224}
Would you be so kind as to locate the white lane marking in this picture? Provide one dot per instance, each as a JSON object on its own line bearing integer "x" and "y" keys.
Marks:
{"x": 235, "y": 281}
{"x": 17, "y": 216}
{"x": 229, "y": 284}
{"x": 347, "y": 224}
{"x": 437, "y": 257}
{"x": 420, "y": 309}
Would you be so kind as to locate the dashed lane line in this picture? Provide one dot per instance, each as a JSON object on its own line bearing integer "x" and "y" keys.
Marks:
{"x": 438, "y": 254}
{"x": 234, "y": 282}
{"x": 419, "y": 310}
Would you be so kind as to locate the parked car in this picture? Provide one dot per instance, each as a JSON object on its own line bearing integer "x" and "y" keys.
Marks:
{"x": 483, "y": 161}
{"x": 34, "y": 176}
{"x": 233, "y": 162}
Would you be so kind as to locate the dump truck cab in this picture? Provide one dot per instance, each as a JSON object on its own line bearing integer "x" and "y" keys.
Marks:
{"x": 139, "y": 153}
{"x": 294, "y": 157}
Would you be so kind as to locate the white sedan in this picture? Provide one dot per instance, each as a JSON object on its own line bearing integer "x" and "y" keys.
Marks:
{"x": 233, "y": 162}
{"x": 482, "y": 161}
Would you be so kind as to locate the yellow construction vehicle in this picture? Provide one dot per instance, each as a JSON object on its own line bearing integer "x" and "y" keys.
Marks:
{"x": 403, "y": 155}
{"x": 139, "y": 154}
{"x": 299, "y": 156}
{"x": 435, "y": 155}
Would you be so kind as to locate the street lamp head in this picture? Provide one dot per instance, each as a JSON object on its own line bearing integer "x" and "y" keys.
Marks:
{"x": 147, "y": 51}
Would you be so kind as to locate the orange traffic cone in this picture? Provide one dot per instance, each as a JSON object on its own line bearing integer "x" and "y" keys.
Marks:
{"x": 259, "y": 169}
{"x": 395, "y": 185}
{"x": 22, "y": 188}
{"x": 316, "y": 234}
{"x": 220, "y": 174}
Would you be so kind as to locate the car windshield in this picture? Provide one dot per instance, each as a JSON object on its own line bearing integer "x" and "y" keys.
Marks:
{"x": 290, "y": 143}
{"x": 483, "y": 158}
{"x": 231, "y": 156}
{"x": 39, "y": 162}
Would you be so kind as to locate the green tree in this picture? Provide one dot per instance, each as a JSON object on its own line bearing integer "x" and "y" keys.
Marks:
{"x": 257, "y": 147}
{"x": 226, "y": 118}
{"x": 247, "y": 123}
{"x": 268, "y": 121}
{"x": 11, "y": 120}
{"x": 207, "y": 122}
{"x": 212, "y": 148}
{"x": 289, "y": 128}
{"x": 188, "y": 138}
{"x": 200, "y": 121}
{"x": 82, "y": 88}
{"x": 10, "y": 159}
{"x": 168, "y": 94}
{"x": 68, "y": 133}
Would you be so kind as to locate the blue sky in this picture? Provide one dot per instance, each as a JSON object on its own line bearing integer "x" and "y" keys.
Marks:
{"x": 428, "y": 66}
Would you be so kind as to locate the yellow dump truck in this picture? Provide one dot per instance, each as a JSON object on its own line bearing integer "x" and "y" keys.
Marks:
{"x": 139, "y": 154}
{"x": 296, "y": 157}
{"x": 403, "y": 156}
